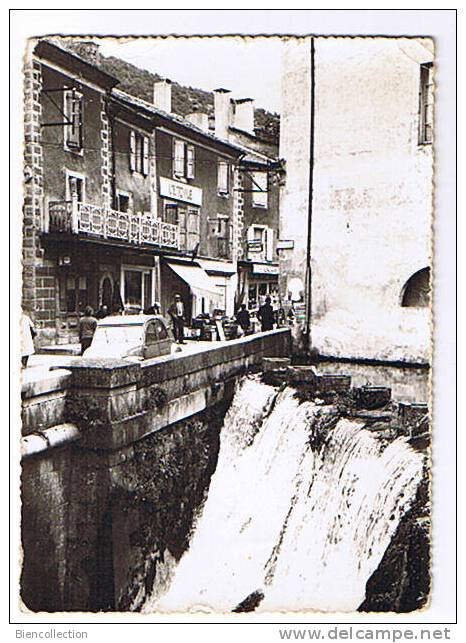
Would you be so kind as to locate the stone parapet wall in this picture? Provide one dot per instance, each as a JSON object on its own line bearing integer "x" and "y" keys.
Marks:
{"x": 115, "y": 403}
{"x": 96, "y": 525}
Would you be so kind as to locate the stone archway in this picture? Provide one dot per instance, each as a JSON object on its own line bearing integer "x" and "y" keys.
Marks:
{"x": 416, "y": 291}
{"x": 106, "y": 288}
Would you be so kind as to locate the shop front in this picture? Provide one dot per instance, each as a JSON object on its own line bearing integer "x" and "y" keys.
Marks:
{"x": 256, "y": 282}
{"x": 198, "y": 291}
{"x": 97, "y": 275}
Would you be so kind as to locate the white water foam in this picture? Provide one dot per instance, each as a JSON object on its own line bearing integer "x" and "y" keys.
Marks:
{"x": 305, "y": 529}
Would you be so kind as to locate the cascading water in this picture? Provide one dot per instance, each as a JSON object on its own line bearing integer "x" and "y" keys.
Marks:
{"x": 299, "y": 523}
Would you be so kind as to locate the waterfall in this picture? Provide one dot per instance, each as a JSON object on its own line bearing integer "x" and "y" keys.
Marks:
{"x": 302, "y": 527}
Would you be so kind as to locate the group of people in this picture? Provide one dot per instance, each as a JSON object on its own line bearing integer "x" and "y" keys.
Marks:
{"x": 176, "y": 311}
{"x": 265, "y": 315}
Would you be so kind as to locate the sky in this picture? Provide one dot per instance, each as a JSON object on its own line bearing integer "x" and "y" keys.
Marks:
{"x": 249, "y": 67}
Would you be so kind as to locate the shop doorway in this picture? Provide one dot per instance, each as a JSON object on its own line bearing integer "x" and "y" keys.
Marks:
{"x": 106, "y": 298}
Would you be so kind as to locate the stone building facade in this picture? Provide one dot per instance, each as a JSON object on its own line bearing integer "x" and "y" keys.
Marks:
{"x": 118, "y": 195}
{"x": 258, "y": 180}
{"x": 356, "y": 208}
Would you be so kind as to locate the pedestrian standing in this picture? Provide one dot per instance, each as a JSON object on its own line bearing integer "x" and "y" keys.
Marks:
{"x": 266, "y": 315}
{"x": 28, "y": 333}
{"x": 176, "y": 312}
{"x": 87, "y": 326}
{"x": 244, "y": 319}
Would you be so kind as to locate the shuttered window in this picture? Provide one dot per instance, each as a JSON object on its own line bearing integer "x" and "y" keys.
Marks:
{"x": 145, "y": 155}
{"x": 183, "y": 160}
{"x": 179, "y": 159}
{"x": 74, "y": 119}
{"x": 223, "y": 178}
{"x": 190, "y": 162}
{"x": 139, "y": 151}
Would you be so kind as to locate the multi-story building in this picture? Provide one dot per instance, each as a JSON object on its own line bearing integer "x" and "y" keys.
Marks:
{"x": 125, "y": 203}
{"x": 356, "y": 207}
{"x": 259, "y": 176}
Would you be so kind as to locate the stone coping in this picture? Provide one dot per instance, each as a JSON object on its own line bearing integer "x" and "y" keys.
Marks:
{"x": 114, "y": 373}
{"x": 54, "y": 380}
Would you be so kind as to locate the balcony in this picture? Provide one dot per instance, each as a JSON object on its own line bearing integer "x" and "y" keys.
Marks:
{"x": 105, "y": 223}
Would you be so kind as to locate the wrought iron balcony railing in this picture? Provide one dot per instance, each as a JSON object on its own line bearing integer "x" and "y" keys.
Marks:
{"x": 93, "y": 220}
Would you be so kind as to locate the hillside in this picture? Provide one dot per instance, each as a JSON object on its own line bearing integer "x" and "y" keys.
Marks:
{"x": 139, "y": 82}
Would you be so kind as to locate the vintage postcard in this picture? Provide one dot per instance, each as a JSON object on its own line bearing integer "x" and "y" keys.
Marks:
{"x": 226, "y": 330}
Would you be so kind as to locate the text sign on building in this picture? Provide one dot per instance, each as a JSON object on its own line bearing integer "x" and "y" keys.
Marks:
{"x": 283, "y": 244}
{"x": 255, "y": 245}
{"x": 180, "y": 191}
{"x": 261, "y": 269}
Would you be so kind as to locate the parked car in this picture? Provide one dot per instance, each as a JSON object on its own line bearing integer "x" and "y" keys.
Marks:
{"x": 131, "y": 337}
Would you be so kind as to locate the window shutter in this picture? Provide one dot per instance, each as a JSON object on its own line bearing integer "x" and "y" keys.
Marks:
{"x": 73, "y": 105}
{"x": 145, "y": 156}
{"x": 223, "y": 177}
{"x": 179, "y": 169}
{"x": 190, "y": 162}
{"x": 269, "y": 254}
{"x": 80, "y": 105}
{"x": 132, "y": 151}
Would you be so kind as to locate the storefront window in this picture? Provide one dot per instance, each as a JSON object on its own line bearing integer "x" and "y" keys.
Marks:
{"x": 133, "y": 288}
{"x": 137, "y": 286}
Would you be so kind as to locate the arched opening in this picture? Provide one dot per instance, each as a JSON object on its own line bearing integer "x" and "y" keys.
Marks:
{"x": 106, "y": 297}
{"x": 416, "y": 291}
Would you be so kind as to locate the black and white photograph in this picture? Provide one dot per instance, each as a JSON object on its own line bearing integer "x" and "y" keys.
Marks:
{"x": 227, "y": 258}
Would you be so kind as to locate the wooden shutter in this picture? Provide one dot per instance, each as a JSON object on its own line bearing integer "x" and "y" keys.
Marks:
{"x": 73, "y": 113}
{"x": 190, "y": 162}
{"x": 132, "y": 151}
{"x": 223, "y": 177}
{"x": 145, "y": 155}
{"x": 178, "y": 167}
{"x": 193, "y": 228}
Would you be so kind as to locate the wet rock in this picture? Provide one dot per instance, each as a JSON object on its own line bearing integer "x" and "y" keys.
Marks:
{"x": 372, "y": 397}
{"x": 401, "y": 583}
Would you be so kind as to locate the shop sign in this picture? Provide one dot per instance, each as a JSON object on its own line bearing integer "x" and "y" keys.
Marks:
{"x": 255, "y": 245}
{"x": 180, "y": 191}
{"x": 299, "y": 309}
{"x": 283, "y": 244}
{"x": 263, "y": 269}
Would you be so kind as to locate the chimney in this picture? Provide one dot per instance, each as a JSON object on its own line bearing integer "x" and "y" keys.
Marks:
{"x": 223, "y": 112}
{"x": 244, "y": 115}
{"x": 163, "y": 95}
{"x": 200, "y": 119}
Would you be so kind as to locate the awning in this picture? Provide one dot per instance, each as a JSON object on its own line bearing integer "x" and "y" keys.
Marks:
{"x": 220, "y": 267}
{"x": 198, "y": 280}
